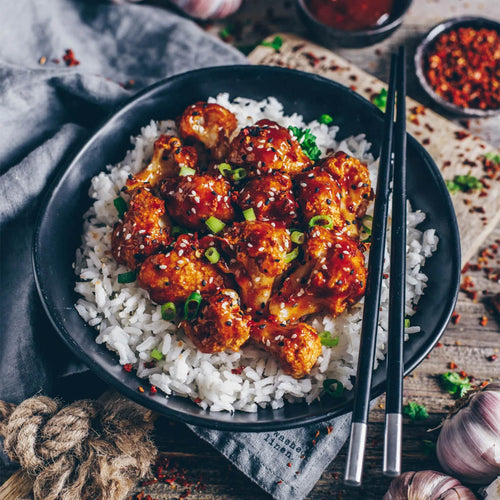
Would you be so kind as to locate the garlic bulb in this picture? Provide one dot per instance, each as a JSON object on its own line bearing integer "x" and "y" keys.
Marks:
{"x": 491, "y": 492}
{"x": 208, "y": 9}
{"x": 427, "y": 485}
{"x": 469, "y": 443}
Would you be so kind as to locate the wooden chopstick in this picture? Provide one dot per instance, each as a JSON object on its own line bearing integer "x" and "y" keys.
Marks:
{"x": 357, "y": 444}
{"x": 394, "y": 384}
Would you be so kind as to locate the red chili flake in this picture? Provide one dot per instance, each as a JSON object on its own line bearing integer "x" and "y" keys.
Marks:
{"x": 314, "y": 442}
{"x": 461, "y": 135}
{"x": 439, "y": 344}
{"x": 42, "y": 60}
{"x": 493, "y": 357}
{"x": 462, "y": 374}
{"x": 447, "y": 163}
{"x": 452, "y": 365}
{"x": 463, "y": 67}
{"x": 153, "y": 390}
{"x": 317, "y": 434}
{"x": 149, "y": 364}
{"x": 483, "y": 321}
{"x": 329, "y": 429}
{"x": 237, "y": 371}
{"x": 455, "y": 318}
{"x": 127, "y": 367}
{"x": 289, "y": 464}
{"x": 197, "y": 400}
{"x": 414, "y": 119}
{"x": 313, "y": 59}
{"x": 140, "y": 388}
{"x": 353, "y": 87}
{"x": 279, "y": 482}
{"x": 426, "y": 141}
{"x": 69, "y": 58}
{"x": 484, "y": 384}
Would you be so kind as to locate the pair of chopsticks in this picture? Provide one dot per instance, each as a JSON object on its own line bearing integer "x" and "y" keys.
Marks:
{"x": 392, "y": 164}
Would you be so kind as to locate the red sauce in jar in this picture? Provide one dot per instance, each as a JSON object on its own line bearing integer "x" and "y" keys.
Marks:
{"x": 351, "y": 15}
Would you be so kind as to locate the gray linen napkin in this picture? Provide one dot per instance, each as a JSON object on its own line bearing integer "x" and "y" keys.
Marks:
{"x": 46, "y": 112}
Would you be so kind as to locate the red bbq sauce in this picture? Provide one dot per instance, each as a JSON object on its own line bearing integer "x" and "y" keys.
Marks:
{"x": 351, "y": 15}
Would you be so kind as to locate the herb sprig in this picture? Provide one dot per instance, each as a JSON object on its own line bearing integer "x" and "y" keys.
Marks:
{"x": 464, "y": 183}
{"x": 275, "y": 44}
{"x": 455, "y": 384}
{"x": 415, "y": 411}
{"x": 307, "y": 140}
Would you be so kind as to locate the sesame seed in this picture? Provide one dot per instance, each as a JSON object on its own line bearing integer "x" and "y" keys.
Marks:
{"x": 162, "y": 266}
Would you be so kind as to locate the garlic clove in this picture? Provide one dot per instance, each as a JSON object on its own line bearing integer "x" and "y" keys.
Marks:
{"x": 469, "y": 443}
{"x": 208, "y": 9}
{"x": 427, "y": 485}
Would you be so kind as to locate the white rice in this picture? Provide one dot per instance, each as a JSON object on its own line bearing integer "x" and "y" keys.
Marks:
{"x": 130, "y": 324}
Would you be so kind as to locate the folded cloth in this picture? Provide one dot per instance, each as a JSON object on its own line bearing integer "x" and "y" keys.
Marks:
{"x": 64, "y": 66}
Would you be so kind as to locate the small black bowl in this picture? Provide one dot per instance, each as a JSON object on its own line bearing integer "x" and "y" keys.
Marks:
{"x": 425, "y": 47}
{"x": 332, "y": 37}
{"x": 60, "y": 226}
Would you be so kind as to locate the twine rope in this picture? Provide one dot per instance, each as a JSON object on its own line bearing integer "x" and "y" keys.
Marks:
{"x": 86, "y": 450}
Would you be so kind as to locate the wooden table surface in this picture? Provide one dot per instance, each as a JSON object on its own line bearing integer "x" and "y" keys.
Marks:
{"x": 467, "y": 343}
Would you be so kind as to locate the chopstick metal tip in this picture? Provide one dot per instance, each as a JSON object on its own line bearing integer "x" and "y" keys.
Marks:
{"x": 393, "y": 437}
{"x": 356, "y": 454}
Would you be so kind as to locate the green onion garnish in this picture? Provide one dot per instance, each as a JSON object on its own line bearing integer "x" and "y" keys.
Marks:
{"x": 333, "y": 387}
{"x": 238, "y": 174}
{"x": 325, "y": 119}
{"x": 127, "y": 277}
{"x": 215, "y": 225}
{"x": 212, "y": 255}
{"x": 168, "y": 311}
{"x": 407, "y": 323}
{"x": 120, "y": 205}
{"x": 298, "y": 237}
{"x": 307, "y": 141}
{"x": 380, "y": 100}
{"x": 249, "y": 214}
{"x": 224, "y": 168}
{"x": 275, "y": 44}
{"x": 156, "y": 354}
{"x": 187, "y": 171}
{"x": 292, "y": 255}
{"x": 321, "y": 220}
{"x": 327, "y": 340}
{"x": 192, "y": 306}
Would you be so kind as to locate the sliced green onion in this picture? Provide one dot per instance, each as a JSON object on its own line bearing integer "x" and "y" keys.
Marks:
{"x": 177, "y": 230}
{"x": 327, "y": 339}
{"x": 367, "y": 224}
{"x": 168, "y": 311}
{"x": 156, "y": 354}
{"x": 187, "y": 171}
{"x": 298, "y": 237}
{"x": 326, "y": 119}
{"x": 212, "y": 255}
{"x": 333, "y": 387}
{"x": 249, "y": 214}
{"x": 127, "y": 277}
{"x": 321, "y": 220}
{"x": 215, "y": 225}
{"x": 120, "y": 205}
{"x": 238, "y": 174}
{"x": 224, "y": 169}
{"x": 192, "y": 306}
{"x": 292, "y": 255}
{"x": 407, "y": 323}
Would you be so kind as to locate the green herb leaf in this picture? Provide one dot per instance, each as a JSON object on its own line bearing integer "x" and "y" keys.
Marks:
{"x": 333, "y": 387}
{"x": 327, "y": 340}
{"x": 455, "y": 384}
{"x": 415, "y": 411}
{"x": 494, "y": 157}
{"x": 226, "y": 32}
{"x": 128, "y": 277}
{"x": 464, "y": 183}
{"x": 121, "y": 206}
{"x": 307, "y": 141}
{"x": 156, "y": 354}
{"x": 380, "y": 100}
{"x": 275, "y": 44}
{"x": 325, "y": 119}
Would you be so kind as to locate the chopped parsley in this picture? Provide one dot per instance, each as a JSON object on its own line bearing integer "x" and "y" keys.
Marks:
{"x": 156, "y": 354}
{"x": 380, "y": 100}
{"x": 275, "y": 44}
{"x": 307, "y": 142}
{"x": 325, "y": 119}
{"x": 455, "y": 384}
{"x": 415, "y": 411}
{"x": 327, "y": 340}
{"x": 464, "y": 183}
{"x": 494, "y": 157}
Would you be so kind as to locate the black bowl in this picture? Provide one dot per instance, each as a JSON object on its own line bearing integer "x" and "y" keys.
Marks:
{"x": 60, "y": 226}
{"x": 426, "y": 45}
{"x": 332, "y": 37}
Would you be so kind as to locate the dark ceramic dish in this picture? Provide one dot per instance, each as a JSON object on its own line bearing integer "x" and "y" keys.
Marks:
{"x": 60, "y": 227}
{"x": 424, "y": 48}
{"x": 332, "y": 37}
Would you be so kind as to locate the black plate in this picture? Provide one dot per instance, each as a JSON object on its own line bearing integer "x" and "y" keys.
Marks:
{"x": 426, "y": 45}
{"x": 60, "y": 227}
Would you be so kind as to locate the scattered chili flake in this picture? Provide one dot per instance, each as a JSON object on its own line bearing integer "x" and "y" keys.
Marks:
{"x": 69, "y": 58}
{"x": 289, "y": 464}
{"x": 329, "y": 429}
{"x": 439, "y": 344}
{"x": 197, "y": 400}
{"x": 42, "y": 60}
{"x": 462, "y": 67}
{"x": 153, "y": 390}
{"x": 314, "y": 442}
{"x": 127, "y": 367}
{"x": 462, "y": 373}
{"x": 455, "y": 318}
{"x": 140, "y": 388}
{"x": 317, "y": 434}
{"x": 461, "y": 135}
{"x": 237, "y": 371}
{"x": 452, "y": 365}
{"x": 483, "y": 321}
{"x": 279, "y": 482}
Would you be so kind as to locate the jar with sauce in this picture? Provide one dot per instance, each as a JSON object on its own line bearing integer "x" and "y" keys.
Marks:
{"x": 351, "y": 15}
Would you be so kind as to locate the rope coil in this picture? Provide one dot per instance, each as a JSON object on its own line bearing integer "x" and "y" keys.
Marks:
{"x": 86, "y": 450}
